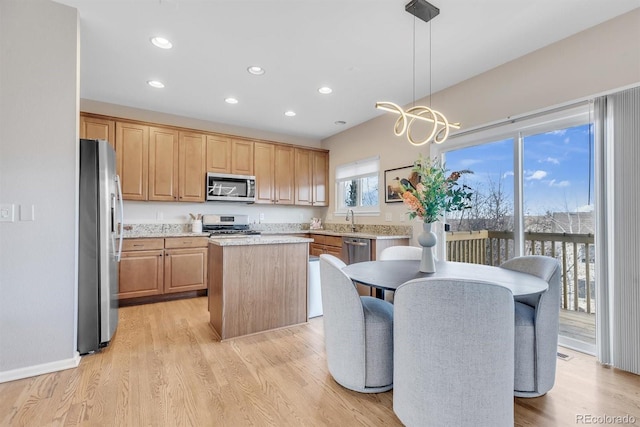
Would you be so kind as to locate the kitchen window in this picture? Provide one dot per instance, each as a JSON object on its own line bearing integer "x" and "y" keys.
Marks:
{"x": 357, "y": 187}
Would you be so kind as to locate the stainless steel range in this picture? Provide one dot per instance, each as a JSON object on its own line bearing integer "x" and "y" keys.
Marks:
{"x": 227, "y": 225}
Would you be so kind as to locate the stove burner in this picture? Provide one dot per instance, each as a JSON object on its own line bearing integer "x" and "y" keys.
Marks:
{"x": 242, "y": 230}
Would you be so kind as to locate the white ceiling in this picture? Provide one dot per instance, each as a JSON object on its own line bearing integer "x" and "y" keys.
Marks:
{"x": 363, "y": 49}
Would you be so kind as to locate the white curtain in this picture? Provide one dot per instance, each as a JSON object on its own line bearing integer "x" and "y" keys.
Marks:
{"x": 617, "y": 142}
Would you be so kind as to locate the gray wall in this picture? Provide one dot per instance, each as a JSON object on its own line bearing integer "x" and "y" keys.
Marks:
{"x": 38, "y": 166}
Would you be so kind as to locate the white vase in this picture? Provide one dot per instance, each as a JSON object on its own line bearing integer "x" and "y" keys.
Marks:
{"x": 427, "y": 239}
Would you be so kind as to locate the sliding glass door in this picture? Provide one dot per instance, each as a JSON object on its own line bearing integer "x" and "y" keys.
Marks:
{"x": 533, "y": 194}
{"x": 558, "y": 213}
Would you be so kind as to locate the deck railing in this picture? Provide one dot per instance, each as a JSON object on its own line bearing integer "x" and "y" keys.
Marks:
{"x": 574, "y": 251}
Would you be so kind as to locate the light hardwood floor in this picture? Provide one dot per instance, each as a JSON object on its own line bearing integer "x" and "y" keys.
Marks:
{"x": 164, "y": 368}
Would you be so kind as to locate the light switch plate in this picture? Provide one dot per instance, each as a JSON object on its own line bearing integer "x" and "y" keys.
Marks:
{"x": 27, "y": 213}
{"x": 7, "y": 213}
{"x": 388, "y": 216}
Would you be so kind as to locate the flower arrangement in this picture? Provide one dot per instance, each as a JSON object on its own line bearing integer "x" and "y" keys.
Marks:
{"x": 429, "y": 192}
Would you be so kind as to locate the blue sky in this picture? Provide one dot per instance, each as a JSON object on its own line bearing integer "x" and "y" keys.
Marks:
{"x": 556, "y": 169}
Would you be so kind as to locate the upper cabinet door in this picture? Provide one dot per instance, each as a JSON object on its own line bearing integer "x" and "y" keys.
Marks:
{"x": 242, "y": 162}
{"x": 163, "y": 164}
{"x": 192, "y": 166}
{"x": 303, "y": 178}
{"x": 132, "y": 156}
{"x": 218, "y": 154}
{"x": 284, "y": 163}
{"x": 263, "y": 168}
{"x": 311, "y": 180}
{"x": 96, "y": 128}
{"x": 320, "y": 178}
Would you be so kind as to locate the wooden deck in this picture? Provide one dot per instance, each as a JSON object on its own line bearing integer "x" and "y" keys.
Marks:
{"x": 578, "y": 325}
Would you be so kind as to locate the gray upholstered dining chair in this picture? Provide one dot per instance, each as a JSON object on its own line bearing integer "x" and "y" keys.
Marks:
{"x": 358, "y": 332}
{"x": 453, "y": 353}
{"x": 399, "y": 253}
{"x": 536, "y": 323}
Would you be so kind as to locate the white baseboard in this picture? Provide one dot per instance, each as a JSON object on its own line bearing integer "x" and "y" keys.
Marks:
{"x": 45, "y": 368}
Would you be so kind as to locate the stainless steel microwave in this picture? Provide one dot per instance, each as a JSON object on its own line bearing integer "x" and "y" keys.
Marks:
{"x": 231, "y": 188}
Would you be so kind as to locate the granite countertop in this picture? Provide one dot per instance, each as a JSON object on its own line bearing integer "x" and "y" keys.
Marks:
{"x": 365, "y": 231}
{"x": 362, "y": 235}
{"x": 166, "y": 234}
{"x": 257, "y": 240}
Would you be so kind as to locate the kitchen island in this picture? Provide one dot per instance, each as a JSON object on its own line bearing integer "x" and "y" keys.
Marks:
{"x": 257, "y": 283}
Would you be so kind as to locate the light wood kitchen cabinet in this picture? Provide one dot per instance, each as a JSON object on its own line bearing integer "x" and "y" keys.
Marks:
{"x": 311, "y": 177}
{"x": 156, "y": 266}
{"x": 320, "y": 178}
{"x": 141, "y": 268}
{"x": 160, "y": 164}
{"x": 331, "y": 245}
{"x": 167, "y": 163}
{"x": 218, "y": 154}
{"x": 185, "y": 269}
{"x": 229, "y": 155}
{"x": 163, "y": 164}
{"x": 242, "y": 153}
{"x": 273, "y": 166}
{"x": 97, "y": 128}
{"x": 132, "y": 158}
{"x": 192, "y": 167}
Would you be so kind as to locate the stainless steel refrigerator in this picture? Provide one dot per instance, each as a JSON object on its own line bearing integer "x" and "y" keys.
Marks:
{"x": 99, "y": 245}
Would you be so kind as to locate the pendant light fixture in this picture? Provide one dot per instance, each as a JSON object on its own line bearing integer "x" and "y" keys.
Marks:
{"x": 440, "y": 126}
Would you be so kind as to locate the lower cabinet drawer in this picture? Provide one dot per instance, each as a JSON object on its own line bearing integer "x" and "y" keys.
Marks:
{"x": 185, "y": 242}
{"x": 142, "y": 244}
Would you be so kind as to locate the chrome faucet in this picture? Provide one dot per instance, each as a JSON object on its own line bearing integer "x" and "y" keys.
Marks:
{"x": 353, "y": 225}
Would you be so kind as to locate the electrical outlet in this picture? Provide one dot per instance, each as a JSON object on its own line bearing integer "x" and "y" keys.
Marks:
{"x": 7, "y": 213}
{"x": 388, "y": 217}
{"x": 261, "y": 217}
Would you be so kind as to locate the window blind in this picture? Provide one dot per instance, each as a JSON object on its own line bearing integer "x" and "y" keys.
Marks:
{"x": 618, "y": 322}
{"x": 358, "y": 169}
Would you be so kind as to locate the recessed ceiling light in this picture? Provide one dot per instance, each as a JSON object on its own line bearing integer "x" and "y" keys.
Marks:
{"x": 325, "y": 90}
{"x": 156, "y": 84}
{"x": 231, "y": 100}
{"x": 255, "y": 70}
{"x": 289, "y": 113}
{"x": 340, "y": 122}
{"x": 161, "y": 42}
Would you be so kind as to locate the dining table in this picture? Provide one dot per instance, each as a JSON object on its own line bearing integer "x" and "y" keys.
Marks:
{"x": 389, "y": 275}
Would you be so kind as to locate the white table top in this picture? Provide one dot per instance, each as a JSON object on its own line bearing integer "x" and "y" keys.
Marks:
{"x": 389, "y": 275}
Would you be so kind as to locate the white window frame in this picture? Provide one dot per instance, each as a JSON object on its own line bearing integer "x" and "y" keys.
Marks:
{"x": 363, "y": 168}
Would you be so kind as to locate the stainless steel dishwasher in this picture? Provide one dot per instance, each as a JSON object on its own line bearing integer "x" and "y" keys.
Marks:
{"x": 356, "y": 249}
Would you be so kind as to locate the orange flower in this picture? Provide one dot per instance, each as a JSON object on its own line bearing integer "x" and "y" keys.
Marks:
{"x": 413, "y": 203}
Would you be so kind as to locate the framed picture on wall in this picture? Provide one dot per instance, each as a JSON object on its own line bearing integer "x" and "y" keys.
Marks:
{"x": 392, "y": 186}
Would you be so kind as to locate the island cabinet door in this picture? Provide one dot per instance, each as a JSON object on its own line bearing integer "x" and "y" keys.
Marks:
{"x": 185, "y": 270}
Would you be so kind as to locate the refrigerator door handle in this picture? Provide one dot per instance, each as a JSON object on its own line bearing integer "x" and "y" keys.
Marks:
{"x": 119, "y": 197}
